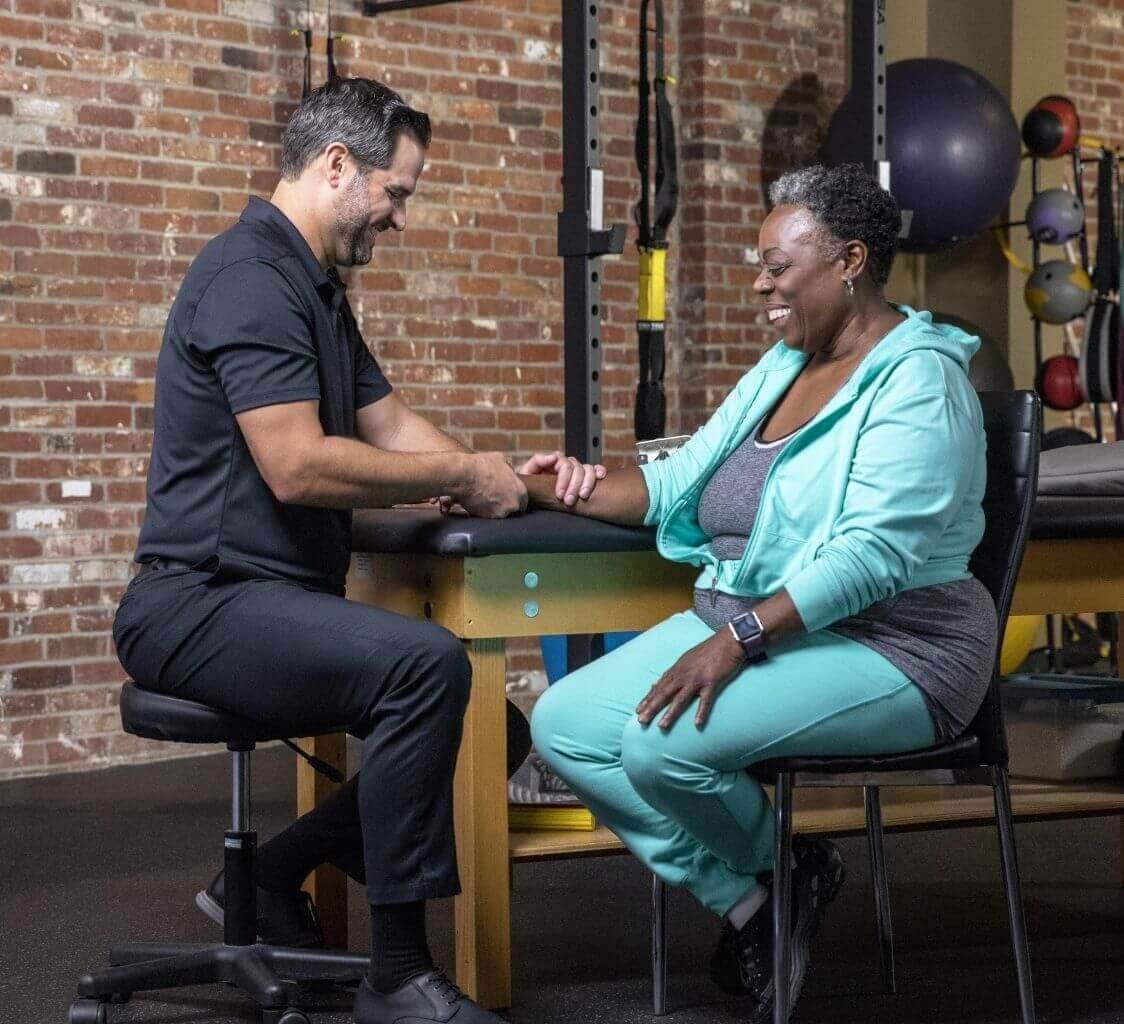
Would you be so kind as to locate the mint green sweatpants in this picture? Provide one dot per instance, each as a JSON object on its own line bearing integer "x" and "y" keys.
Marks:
{"x": 679, "y": 798}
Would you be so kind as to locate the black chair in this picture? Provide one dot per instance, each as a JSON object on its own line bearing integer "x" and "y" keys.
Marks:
{"x": 271, "y": 975}
{"x": 1012, "y": 422}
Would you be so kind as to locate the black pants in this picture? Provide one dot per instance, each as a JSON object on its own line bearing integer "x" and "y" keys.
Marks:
{"x": 306, "y": 661}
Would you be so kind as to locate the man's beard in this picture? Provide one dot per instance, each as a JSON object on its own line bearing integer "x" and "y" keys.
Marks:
{"x": 353, "y": 226}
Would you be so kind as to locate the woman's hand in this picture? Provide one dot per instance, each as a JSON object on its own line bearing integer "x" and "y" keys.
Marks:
{"x": 575, "y": 479}
{"x": 701, "y": 672}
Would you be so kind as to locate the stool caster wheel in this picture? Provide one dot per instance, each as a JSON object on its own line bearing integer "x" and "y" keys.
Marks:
{"x": 88, "y": 1011}
{"x": 290, "y": 1016}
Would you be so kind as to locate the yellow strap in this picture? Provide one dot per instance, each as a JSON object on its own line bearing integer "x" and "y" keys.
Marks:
{"x": 651, "y": 303}
{"x": 1000, "y": 236}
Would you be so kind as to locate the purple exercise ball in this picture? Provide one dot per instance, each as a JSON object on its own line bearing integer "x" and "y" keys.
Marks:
{"x": 953, "y": 146}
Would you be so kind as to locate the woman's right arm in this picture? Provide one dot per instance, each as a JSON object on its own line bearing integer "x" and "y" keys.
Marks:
{"x": 622, "y": 497}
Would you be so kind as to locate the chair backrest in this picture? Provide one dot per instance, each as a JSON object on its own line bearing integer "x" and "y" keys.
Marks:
{"x": 1013, "y": 425}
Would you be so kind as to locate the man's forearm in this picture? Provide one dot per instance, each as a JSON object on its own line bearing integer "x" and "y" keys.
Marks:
{"x": 622, "y": 497}
{"x": 339, "y": 472}
{"x": 417, "y": 434}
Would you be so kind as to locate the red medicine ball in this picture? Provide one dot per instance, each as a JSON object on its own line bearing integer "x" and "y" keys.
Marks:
{"x": 1059, "y": 383}
{"x": 1052, "y": 127}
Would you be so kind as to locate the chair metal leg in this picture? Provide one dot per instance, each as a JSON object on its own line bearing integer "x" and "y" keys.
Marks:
{"x": 659, "y": 947}
{"x": 782, "y": 895}
{"x": 873, "y": 802}
{"x": 1006, "y": 823}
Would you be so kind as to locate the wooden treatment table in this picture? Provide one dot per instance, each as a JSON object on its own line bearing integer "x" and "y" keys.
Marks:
{"x": 549, "y": 573}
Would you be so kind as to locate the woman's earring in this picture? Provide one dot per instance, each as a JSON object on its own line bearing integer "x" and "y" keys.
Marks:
{"x": 849, "y": 284}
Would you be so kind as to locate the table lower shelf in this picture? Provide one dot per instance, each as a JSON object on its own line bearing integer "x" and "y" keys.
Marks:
{"x": 824, "y": 811}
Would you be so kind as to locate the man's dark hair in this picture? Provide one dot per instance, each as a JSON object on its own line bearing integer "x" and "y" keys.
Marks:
{"x": 847, "y": 203}
{"x": 363, "y": 114}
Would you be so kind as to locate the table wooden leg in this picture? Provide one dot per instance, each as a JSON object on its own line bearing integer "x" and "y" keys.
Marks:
{"x": 483, "y": 910}
{"x": 327, "y": 884}
{"x": 1120, "y": 645}
{"x": 1120, "y": 674}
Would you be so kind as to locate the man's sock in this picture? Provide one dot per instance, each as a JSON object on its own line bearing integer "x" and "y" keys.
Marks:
{"x": 398, "y": 945}
{"x": 740, "y": 913}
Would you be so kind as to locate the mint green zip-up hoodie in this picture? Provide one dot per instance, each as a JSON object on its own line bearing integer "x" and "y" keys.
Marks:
{"x": 879, "y": 493}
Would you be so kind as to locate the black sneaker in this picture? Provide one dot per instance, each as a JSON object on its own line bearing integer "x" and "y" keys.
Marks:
{"x": 743, "y": 961}
{"x": 284, "y": 918}
{"x": 424, "y": 998}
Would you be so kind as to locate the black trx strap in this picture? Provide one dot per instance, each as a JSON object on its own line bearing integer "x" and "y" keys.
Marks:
{"x": 307, "y": 51}
{"x": 653, "y": 226}
{"x": 1106, "y": 276}
{"x": 317, "y": 764}
{"x": 332, "y": 74}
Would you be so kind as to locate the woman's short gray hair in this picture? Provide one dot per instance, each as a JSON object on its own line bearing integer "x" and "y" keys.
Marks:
{"x": 846, "y": 203}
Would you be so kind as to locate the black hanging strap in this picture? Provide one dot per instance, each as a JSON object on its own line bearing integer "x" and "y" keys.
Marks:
{"x": 317, "y": 763}
{"x": 651, "y": 404}
{"x": 307, "y": 51}
{"x": 331, "y": 45}
{"x": 1107, "y": 274}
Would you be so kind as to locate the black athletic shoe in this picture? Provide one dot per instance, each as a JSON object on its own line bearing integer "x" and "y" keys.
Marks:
{"x": 284, "y": 918}
{"x": 743, "y": 961}
{"x": 429, "y": 997}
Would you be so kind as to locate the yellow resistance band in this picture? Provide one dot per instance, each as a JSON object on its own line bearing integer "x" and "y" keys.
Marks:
{"x": 651, "y": 305}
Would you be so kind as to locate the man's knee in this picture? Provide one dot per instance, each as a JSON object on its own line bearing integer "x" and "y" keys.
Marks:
{"x": 448, "y": 667}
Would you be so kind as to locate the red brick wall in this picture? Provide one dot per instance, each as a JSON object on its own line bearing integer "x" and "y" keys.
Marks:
{"x": 1094, "y": 80}
{"x": 134, "y": 133}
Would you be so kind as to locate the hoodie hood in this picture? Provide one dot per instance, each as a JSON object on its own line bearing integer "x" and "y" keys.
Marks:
{"x": 916, "y": 333}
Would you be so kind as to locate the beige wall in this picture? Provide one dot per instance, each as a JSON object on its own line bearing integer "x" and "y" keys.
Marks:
{"x": 969, "y": 279}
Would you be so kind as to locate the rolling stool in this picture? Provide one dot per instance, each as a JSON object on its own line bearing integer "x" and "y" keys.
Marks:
{"x": 240, "y": 960}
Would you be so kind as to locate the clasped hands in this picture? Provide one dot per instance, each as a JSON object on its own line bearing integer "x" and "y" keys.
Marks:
{"x": 575, "y": 480}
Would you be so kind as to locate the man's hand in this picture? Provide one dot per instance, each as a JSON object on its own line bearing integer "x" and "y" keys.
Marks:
{"x": 701, "y": 672}
{"x": 493, "y": 490}
{"x": 575, "y": 479}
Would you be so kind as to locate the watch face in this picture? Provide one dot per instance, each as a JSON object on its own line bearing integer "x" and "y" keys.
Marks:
{"x": 746, "y": 627}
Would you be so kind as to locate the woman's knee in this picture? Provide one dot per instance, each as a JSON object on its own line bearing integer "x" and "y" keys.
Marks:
{"x": 556, "y": 717}
{"x": 644, "y": 754}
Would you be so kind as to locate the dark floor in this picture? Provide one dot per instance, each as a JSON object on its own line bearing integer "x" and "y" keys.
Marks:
{"x": 117, "y": 855}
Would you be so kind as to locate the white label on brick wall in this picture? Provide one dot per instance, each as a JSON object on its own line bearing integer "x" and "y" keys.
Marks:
{"x": 41, "y": 572}
{"x": 104, "y": 366}
{"x": 362, "y": 565}
{"x": 535, "y": 49}
{"x": 21, "y": 185}
{"x": 92, "y": 572}
{"x": 95, "y": 14}
{"x": 249, "y": 10}
{"x": 33, "y": 108}
{"x": 76, "y": 489}
{"x": 42, "y": 518}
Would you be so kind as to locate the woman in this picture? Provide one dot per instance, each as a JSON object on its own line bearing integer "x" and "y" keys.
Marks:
{"x": 832, "y": 503}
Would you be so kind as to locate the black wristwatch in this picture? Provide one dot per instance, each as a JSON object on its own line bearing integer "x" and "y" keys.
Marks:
{"x": 749, "y": 632}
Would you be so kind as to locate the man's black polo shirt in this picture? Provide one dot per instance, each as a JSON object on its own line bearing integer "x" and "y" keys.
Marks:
{"x": 256, "y": 322}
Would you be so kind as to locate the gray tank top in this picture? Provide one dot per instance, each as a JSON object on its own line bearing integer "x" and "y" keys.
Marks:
{"x": 940, "y": 637}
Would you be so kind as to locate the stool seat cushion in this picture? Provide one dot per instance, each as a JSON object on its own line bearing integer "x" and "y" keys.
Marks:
{"x": 962, "y": 752}
{"x": 156, "y": 716}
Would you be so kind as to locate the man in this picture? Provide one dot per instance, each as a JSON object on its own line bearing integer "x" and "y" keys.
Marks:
{"x": 272, "y": 422}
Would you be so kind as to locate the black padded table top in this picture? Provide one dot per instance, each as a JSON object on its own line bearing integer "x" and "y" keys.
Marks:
{"x": 422, "y": 531}
{"x": 1068, "y": 518}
